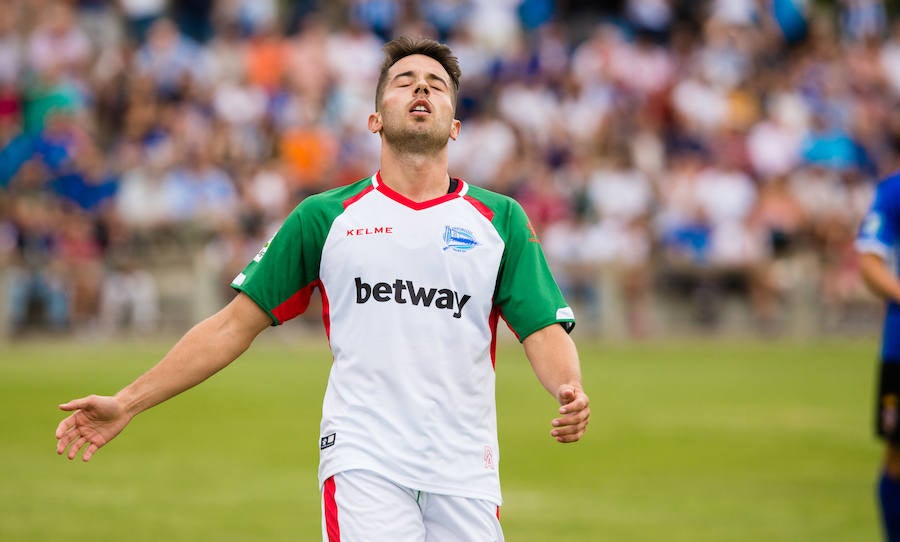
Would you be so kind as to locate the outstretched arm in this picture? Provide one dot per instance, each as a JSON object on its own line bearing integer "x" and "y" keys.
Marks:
{"x": 204, "y": 350}
{"x": 555, "y": 362}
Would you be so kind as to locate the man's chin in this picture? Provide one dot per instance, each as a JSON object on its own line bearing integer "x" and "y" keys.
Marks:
{"x": 417, "y": 141}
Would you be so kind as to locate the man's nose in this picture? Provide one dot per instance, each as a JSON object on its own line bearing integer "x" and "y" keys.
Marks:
{"x": 422, "y": 86}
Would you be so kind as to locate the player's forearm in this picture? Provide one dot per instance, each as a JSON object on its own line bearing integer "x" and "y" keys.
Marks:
{"x": 204, "y": 350}
{"x": 554, "y": 358}
{"x": 879, "y": 278}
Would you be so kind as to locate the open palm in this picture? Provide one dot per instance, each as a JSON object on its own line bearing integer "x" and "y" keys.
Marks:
{"x": 95, "y": 420}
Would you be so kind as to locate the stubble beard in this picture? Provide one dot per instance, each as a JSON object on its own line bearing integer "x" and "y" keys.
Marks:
{"x": 419, "y": 139}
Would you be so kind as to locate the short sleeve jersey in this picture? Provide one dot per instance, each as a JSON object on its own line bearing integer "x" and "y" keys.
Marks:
{"x": 412, "y": 294}
{"x": 879, "y": 234}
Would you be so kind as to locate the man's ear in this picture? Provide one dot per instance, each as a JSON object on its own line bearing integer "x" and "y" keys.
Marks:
{"x": 455, "y": 127}
{"x": 375, "y": 122}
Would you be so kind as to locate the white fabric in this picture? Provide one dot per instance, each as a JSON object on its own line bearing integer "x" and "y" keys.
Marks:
{"x": 434, "y": 428}
{"x": 371, "y": 507}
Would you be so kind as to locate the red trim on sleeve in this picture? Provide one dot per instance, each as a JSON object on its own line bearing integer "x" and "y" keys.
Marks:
{"x": 350, "y": 201}
{"x": 331, "y": 512}
{"x": 294, "y": 305}
{"x": 326, "y": 310}
{"x": 492, "y": 322}
{"x": 482, "y": 208}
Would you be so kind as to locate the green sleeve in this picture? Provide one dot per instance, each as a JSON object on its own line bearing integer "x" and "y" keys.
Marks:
{"x": 283, "y": 275}
{"x": 526, "y": 294}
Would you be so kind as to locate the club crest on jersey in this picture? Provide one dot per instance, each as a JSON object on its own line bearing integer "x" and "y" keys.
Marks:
{"x": 458, "y": 239}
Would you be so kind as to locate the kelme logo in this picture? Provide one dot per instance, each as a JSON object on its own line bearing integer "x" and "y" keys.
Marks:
{"x": 458, "y": 239}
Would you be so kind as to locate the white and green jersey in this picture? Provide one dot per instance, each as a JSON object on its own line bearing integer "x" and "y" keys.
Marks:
{"x": 411, "y": 295}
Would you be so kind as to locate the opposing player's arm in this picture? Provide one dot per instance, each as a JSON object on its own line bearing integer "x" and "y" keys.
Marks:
{"x": 554, "y": 358}
{"x": 879, "y": 277}
{"x": 204, "y": 350}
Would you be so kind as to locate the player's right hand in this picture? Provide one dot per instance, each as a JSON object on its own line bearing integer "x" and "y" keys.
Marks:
{"x": 95, "y": 420}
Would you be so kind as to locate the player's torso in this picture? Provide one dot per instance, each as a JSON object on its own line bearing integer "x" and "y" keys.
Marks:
{"x": 409, "y": 294}
{"x": 429, "y": 270}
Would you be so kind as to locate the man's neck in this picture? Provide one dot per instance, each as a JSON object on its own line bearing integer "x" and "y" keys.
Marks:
{"x": 418, "y": 177}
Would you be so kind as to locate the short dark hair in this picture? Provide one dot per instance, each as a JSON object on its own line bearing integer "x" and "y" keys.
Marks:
{"x": 405, "y": 46}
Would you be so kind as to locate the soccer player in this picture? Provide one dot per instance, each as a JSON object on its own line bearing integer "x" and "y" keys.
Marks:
{"x": 415, "y": 269}
{"x": 878, "y": 244}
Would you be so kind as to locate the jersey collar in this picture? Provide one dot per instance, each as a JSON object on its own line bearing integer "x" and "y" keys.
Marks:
{"x": 461, "y": 189}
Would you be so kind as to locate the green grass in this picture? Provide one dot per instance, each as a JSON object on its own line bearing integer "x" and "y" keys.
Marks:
{"x": 689, "y": 441}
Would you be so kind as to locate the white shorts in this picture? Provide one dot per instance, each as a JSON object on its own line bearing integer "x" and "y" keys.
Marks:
{"x": 360, "y": 505}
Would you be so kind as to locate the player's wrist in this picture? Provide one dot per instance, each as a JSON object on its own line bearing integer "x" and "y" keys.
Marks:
{"x": 128, "y": 404}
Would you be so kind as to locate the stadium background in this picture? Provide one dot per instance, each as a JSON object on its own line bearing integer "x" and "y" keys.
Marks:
{"x": 690, "y": 166}
{"x": 695, "y": 169}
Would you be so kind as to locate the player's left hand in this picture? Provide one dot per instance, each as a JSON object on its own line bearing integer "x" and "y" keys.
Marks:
{"x": 575, "y": 413}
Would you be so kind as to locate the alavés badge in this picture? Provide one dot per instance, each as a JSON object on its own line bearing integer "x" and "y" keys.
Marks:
{"x": 458, "y": 239}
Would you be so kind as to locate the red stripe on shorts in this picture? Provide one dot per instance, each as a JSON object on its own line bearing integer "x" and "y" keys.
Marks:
{"x": 331, "y": 512}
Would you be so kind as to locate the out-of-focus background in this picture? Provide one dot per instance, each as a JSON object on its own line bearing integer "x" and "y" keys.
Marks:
{"x": 691, "y": 166}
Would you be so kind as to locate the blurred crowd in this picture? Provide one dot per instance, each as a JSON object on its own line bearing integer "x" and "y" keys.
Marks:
{"x": 685, "y": 148}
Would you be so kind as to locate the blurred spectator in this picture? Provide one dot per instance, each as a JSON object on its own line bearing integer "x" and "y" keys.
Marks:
{"x": 310, "y": 152}
{"x": 265, "y": 58}
{"x": 11, "y": 48}
{"x": 378, "y": 16}
{"x": 862, "y": 19}
{"x": 89, "y": 185}
{"x": 168, "y": 58}
{"x": 143, "y": 204}
{"x": 704, "y": 147}
{"x": 35, "y": 275}
{"x": 307, "y": 68}
{"x": 492, "y": 140}
{"x": 622, "y": 198}
{"x": 494, "y": 25}
{"x": 445, "y": 16}
{"x": 791, "y": 18}
{"x": 224, "y": 55}
{"x": 773, "y": 144}
{"x": 194, "y": 17}
{"x": 100, "y": 20}
{"x": 198, "y": 192}
{"x": 128, "y": 297}
{"x": 140, "y": 15}
{"x": 58, "y": 44}
{"x": 81, "y": 257}
{"x": 650, "y": 16}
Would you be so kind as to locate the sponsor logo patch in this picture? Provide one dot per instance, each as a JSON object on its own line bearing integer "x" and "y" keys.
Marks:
{"x": 405, "y": 291}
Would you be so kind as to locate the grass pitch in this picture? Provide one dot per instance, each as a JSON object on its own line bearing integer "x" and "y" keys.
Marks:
{"x": 690, "y": 441}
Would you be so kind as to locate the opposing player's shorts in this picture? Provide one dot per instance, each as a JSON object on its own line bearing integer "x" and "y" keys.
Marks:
{"x": 360, "y": 505}
{"x": 887, "y": 402}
